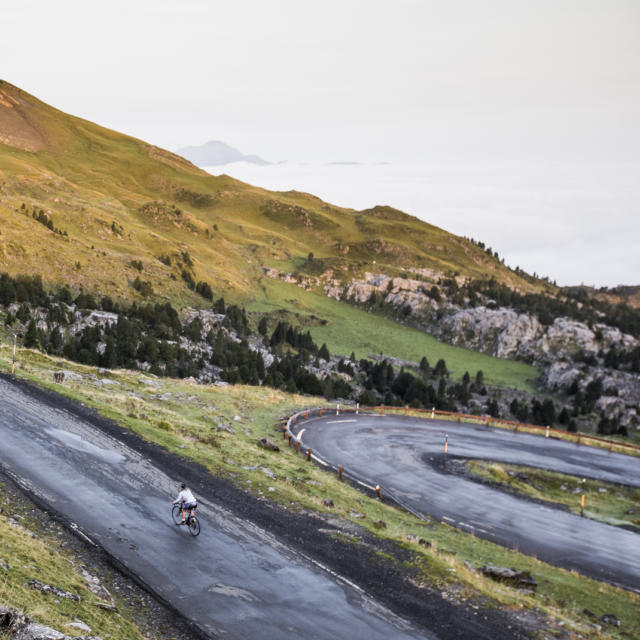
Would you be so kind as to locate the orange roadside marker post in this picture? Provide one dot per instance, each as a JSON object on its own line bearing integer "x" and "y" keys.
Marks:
{"x": 582, "y": 506}
{"x": 340, "y": 470}
{"x": 446, "y": 443}
{"x": 379, "y": 491}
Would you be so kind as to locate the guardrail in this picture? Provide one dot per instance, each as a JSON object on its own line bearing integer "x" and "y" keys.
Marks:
{"x": 488, "y": 421}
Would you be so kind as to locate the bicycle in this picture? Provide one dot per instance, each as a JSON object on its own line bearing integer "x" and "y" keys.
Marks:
{"x": 192, "y": 522}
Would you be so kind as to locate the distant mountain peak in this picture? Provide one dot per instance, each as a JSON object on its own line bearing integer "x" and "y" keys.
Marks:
{"x": 215, "y": 153}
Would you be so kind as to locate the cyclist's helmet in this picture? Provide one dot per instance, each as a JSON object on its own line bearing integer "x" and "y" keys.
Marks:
{"x": 183, "y": 486}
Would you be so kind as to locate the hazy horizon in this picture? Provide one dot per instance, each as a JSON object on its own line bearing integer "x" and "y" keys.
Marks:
{"x": 467, "y": 202}
{"x": 530, "y": 109}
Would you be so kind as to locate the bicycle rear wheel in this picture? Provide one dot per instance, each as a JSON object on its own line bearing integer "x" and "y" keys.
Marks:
{"x": 194, "y": 526}
{"x": 176, "y": 514}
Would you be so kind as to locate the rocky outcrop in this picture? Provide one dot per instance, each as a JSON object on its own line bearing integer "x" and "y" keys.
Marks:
{"x": 505, "y": 333}
{"x": 559, "y": 350}
{"x": 402, "y": 293}
{"x": 620, "y": 399}
{"x": 21, "y": 627}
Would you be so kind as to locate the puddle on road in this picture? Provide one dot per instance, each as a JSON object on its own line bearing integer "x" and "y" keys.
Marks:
{"x": 233, "y": 592}
{"x": 80, "y": 444}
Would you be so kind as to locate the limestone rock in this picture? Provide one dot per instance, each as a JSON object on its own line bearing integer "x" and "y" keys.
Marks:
{"x": 266, "y": 443}
{"x": 503, "y": 574}
{"x": 610, "y": 619}
{"x": 47, "y": 588}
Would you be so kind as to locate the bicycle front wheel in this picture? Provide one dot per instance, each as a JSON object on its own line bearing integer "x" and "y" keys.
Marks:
{"x": 176, "y": 513}
{"x": 194, "y": 527}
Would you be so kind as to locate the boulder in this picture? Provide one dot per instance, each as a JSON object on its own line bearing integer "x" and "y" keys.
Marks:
{"x": 78, "y": 624}
{"x": 522, "y": 579}
{"x": 610, "y": 619}
{"x": 266, "y": 443}
{"x": 21, "y": 627}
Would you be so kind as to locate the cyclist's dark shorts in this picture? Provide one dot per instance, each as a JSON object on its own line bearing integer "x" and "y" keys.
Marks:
{"x": 190, "y": 505}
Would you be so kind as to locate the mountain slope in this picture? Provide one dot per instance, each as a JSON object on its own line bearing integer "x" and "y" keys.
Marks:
{"x": 121, "y": 200}
{"x": 215, "y": 153}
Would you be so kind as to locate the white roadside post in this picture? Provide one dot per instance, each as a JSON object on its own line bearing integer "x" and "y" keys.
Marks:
{"x": 13, "y": 362}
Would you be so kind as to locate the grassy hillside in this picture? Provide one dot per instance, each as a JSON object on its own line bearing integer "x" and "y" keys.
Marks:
{"x": 183, "y": 418}
{"x": 120, "y": 199}
{"x": 345, "y": 329}
{"x": 31, "y": 549}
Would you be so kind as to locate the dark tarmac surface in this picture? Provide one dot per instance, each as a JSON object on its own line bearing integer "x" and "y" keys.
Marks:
{"x": 402, "y": 454}
{"x": 235, "y": 580}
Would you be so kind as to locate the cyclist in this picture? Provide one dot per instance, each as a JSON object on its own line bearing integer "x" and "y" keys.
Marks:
{"x": 188, "y": 501}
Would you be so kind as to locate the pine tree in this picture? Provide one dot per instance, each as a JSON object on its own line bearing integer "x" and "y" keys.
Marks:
{"x": 441, "y": 368}
{"x": 219, "y": 306}
{"x": 548, "y": 412}
{"x": 109, "y": 355}
{"x": 263, "y": 326}
{"x": 31, "y": 337}
{"x": 324, "y": 352}
{"x": 55, "y": 340}
{"x": 279, "y": 334}
{"x": 493, "y": 409}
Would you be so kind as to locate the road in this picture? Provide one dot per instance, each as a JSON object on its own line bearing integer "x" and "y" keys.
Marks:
{"x": 234, "y": 581}
{"x": 402, "y": 455}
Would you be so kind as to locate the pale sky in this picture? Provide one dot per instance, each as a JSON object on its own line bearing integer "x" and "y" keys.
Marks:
{"x": 491, "y": 83}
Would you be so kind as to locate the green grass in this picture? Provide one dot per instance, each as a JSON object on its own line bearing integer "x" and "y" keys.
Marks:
{"x": 185, "y": 424}
{"x": 86, "y": 177}
{"x": 41, "y": 558}
{"x": 604, "y": 501}
{"x": 350, "y": 329}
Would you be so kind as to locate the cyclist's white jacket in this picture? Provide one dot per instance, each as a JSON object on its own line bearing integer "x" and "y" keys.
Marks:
{"x": 185, "y": 496}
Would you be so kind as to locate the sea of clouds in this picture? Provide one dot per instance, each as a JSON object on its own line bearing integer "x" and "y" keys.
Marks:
{"x": 577, "y": 224}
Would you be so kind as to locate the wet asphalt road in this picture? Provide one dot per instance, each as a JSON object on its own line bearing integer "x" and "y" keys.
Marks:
{"x": 234, "y": 580}
{"x": 401, "y": 454}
